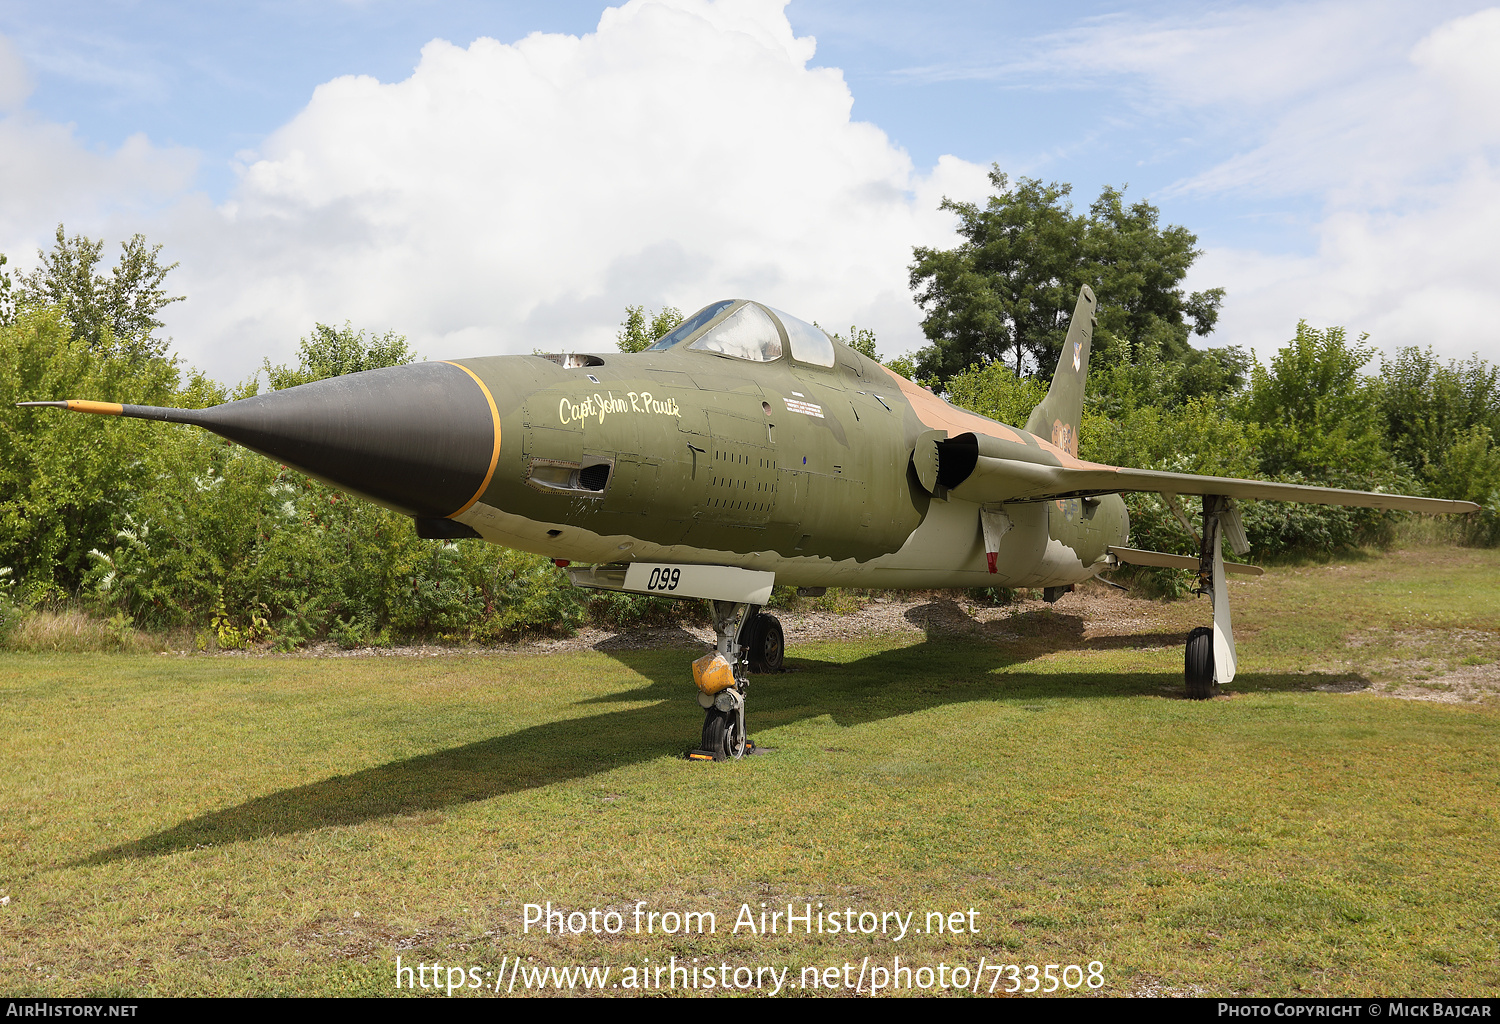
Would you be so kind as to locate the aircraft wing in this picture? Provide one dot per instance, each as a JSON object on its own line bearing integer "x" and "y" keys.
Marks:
{"x": 999, "y": 479}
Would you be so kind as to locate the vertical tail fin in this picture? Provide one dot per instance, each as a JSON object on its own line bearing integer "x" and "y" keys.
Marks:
{"x": 1058, "y": 415}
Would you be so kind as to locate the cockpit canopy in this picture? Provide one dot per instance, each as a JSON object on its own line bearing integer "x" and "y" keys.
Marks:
{"x": 748, "y": 330}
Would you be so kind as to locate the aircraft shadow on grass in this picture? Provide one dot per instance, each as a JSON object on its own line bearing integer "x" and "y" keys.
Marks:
{"x": 941, "y": 670}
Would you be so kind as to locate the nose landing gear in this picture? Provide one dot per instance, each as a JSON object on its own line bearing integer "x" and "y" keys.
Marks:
{"x": 748, "y": 641}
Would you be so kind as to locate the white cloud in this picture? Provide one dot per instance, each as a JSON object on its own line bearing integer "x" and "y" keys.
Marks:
{"x": 512, "y": 196}
{"x": 1246, "y": 54}
{"x": 507, "y": 197}
{"x": 50, "y": 178}
{"x": 1398, "y": 116}
{"x": 1421, "y": 276}
{"x": 1386, "y": 116}
{"x": 47, "y": 175}
{"x": 1405, "y": 164}
{"x": 15, "y": 81}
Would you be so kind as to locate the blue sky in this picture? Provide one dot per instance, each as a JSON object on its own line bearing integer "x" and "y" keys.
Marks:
{"x": 1336, "y": 160}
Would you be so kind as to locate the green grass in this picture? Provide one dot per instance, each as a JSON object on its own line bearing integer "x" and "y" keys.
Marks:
{"x": 195, "y": 825}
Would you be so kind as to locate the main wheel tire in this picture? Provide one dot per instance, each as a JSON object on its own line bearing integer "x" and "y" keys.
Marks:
{"x": 767, "y": 645}
{"x": 1198, "y": 664}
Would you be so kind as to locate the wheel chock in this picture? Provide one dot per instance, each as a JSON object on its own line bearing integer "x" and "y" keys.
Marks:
{"x": 709, "y": 755}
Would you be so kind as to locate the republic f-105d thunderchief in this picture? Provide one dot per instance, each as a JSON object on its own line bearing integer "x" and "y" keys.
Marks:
{"x": 747, "y": 448}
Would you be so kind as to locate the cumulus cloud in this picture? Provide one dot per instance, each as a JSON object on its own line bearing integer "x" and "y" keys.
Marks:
{"x": 513, "y": 196}
{"x": 1422, "y": 276}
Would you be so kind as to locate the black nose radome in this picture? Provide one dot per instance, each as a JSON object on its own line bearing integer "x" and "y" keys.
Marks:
{"x": 422, "y": 439}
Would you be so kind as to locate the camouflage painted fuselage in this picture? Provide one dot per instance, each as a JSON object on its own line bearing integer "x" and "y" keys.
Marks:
{"x": 806, "y": 471}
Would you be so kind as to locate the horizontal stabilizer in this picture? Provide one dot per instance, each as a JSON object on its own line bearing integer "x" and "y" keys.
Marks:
{"x": 1162, "y": 560}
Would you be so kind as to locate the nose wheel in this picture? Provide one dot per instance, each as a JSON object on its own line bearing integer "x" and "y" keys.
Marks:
{"x": 724, "y": 729}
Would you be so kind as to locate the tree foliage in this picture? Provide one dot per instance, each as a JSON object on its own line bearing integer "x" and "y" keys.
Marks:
{"x": 1136, "y": 268}
{"x": 1469, "y": 468}
{"x": 333, "y": 352}
{"x": 167, "y": 525}
{"x": 639, "y": 331}
{"x": 859, "y": 339}
{"x": 67, "y": 482}
{"x": 261, "y": 551}
{"x": 995, "y": 391}
{"x": 1312, "y": 414}
{"x": 7, "y": 294}
{"x": 1151, "y": 380}
{"x": 1317, "y": 414}
{"x": 118, "y": 311}
{"x": 1007, "y": 292}
{"x": 1425, "y": 405}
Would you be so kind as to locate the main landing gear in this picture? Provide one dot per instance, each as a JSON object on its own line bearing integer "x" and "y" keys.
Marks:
{"x": 748, "y": 641}
{"x": 1209, "y": 659}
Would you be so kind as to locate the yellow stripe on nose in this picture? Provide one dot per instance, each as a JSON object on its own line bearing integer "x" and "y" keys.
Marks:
{"x": 494, "y": 454}
{"x": 101, "y": 408}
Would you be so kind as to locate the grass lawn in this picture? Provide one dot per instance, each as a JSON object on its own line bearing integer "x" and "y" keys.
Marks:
{"x": 176, "y": 825}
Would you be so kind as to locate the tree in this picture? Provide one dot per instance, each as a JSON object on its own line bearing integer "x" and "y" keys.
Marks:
{"x": 1425, "y": 405}
{"x": 7, "y": 296}
{"x": 67, "y": 482}
{"x": 1115, "y": 387}
{"x": 995, "y": 391}
{"x": 860, "y": 339}
{"x": 1004, "y": 293}
{"x": 1136, "y": 268}
{"x": 1469, "y": 470}
{"x": 331, "y": 352}
{"x": 639, "y": 332}
{"x": 1008, "y": 290}
{"x": 1316, "y": 413}
{"x": 118, "y": 312}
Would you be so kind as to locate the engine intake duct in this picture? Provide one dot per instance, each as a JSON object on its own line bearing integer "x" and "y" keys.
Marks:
{"x": 957, "y": 457}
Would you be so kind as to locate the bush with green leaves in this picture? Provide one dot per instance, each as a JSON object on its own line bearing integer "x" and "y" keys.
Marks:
{"x": 222, "y": 531}
{"x": 245, "y": 538}
{"x": 10, "y": 612}
{"x": 68, "y": 482}
{"x": 995, "y": 391}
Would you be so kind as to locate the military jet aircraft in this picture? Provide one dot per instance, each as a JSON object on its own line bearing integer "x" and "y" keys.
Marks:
{"x": 747, "y": 448}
